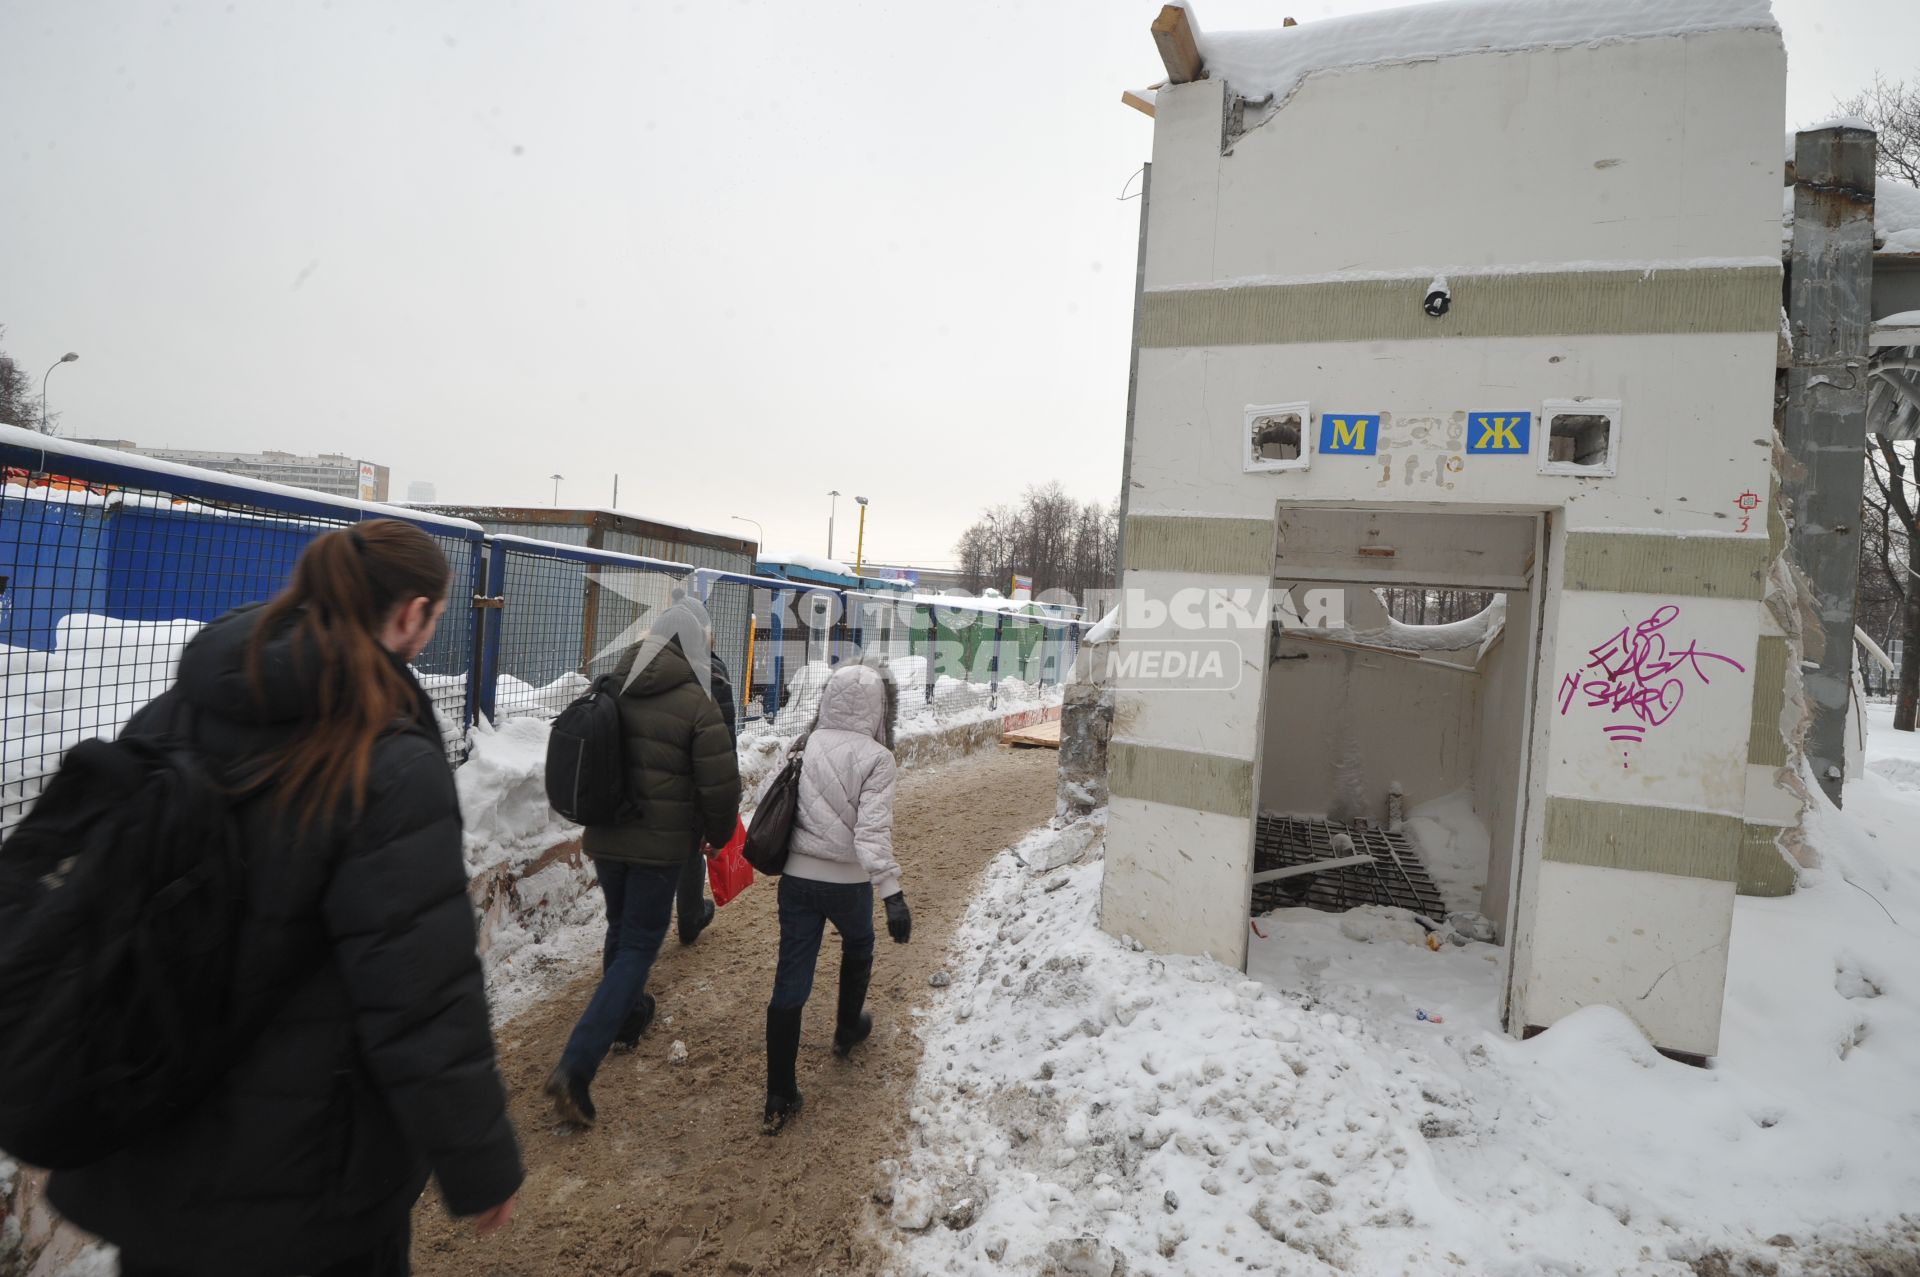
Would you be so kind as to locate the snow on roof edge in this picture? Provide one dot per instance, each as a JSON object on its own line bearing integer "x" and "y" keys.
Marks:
{"x": 1271, "y": 64}
{"x": 53, "y": 445}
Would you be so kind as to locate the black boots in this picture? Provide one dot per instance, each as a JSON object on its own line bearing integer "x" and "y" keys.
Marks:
{"x": 690, "y": 931}
{"x": 783, "y": 1052}
{"x": 635, "y": 1024}
{"x": 571, "y": 1103}
{"x": 852, "y": 1025}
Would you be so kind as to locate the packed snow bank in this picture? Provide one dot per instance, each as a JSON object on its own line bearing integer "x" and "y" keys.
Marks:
{"x": 955, "y": 700}
{"x": 1272, "y": 63}
{"x": 1896, "y": 214}
{"x": 529, "y": 883}
{"x": 1085, "y": 1107}
{"x": 100, "y": 672}
{"x": 1454, "y": 846}
{"x": 516, "y": 696}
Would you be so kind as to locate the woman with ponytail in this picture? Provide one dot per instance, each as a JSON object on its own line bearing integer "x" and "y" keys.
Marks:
{"x": 375, "y": 1066}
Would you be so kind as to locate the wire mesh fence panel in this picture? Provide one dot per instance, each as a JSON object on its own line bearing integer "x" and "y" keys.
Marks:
{"x": 782, "y": 640}
{"x": 566, "y": 616}
{"x": 730, "y": 603}
{"x": 108, "y": 570}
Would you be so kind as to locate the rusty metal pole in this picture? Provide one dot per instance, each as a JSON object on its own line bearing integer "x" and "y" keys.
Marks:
{"x": 1824, "y": 426}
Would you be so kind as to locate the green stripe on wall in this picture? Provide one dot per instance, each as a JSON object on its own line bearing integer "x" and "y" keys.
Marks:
{"x": 1647, "y": 563}
{"x": 1765, "y": 745}
{"x": 1742, "y": 299}
{"x": 1177, "y": 543}
{"x": 1764, "y": 870}
{"x": 1181, "y": 778}
{"x": 1664, "y": 840}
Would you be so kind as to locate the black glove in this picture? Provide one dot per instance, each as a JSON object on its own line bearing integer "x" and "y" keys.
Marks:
{"x": 899, "y": 921}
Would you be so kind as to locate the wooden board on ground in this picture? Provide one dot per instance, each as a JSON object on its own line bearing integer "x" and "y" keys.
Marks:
{"x": 1040, "y": 735}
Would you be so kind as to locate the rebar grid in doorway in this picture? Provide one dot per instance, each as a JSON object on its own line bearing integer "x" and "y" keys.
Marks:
{"x": 1396, "y": 876}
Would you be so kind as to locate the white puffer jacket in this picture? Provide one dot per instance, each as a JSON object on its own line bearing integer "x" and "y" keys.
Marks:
{"x": 843, "y": 826}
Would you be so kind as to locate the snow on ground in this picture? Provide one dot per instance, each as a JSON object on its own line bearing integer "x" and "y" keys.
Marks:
{"x": 516, "y": 696}
{"x": 1896, "y": 213}
{"x": 954, "y": 699}
{"x": 1454, "y": 846}
{"x": 1084, "y": 1107}
{"x": 50, "y": 701}
{"x": 541, "y": 921}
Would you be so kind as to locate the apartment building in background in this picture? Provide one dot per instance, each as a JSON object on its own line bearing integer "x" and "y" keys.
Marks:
{"x": 329, "y": 472}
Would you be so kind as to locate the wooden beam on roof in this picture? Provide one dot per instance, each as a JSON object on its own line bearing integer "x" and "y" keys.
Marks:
{"x": 1173, "y": 35}
{"x": 1138, "y": 103}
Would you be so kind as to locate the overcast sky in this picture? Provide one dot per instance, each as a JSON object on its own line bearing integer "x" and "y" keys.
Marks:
{"x": 739, "y": 253}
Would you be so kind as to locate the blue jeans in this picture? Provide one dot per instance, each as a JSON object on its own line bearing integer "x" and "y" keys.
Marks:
{"x": 639, "y": 908}
{"x": 806, "y": 907}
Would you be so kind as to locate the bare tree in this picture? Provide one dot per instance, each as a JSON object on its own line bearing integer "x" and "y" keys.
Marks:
{"x": 1062, "y": 544}
{"x": 1893, "y": 108}
{"x": 1899, "y": 495}
{"x": 19, "y": 402}
{"x": 1418, "y": 605}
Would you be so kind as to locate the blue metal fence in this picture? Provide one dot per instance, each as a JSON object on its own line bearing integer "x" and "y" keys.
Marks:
{"x": 951, "y": 655}
{"x": 110, "y": 563}
{"x": 559, "y": 616}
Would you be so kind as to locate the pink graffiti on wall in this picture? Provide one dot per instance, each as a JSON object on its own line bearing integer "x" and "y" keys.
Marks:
{"x": 1639, "y": 674}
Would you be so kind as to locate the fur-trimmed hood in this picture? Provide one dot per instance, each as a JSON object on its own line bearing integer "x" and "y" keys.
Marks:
{"x": 863, "y": 699}
{"x": 843, "y": 822}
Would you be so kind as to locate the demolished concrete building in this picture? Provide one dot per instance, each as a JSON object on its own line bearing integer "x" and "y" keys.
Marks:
{"x": 1482, "y": 296}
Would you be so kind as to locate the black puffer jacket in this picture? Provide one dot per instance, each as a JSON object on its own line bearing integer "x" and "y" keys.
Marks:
{"x": 680, "y": 763}
{"x": 724, "y": 696}
{"x": 378, "y": 1067}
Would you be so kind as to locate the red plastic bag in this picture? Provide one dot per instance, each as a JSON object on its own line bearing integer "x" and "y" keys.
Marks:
{"x": 728, "y": 872}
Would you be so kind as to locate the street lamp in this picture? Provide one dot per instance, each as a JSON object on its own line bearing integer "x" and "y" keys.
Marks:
{"x": 860, "y": 544}
{"x": 67, "y": 358}
{"x": 831, "y": 510}
{"x": 556, "y": 487}
{"x": 759, "y": 533}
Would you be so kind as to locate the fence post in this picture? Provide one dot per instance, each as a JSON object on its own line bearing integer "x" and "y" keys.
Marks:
{"x": 993, "y": 662}
{"x": 476, "y": 586}
{"x": 859, "y": 631}
{"x": 775, "y": 639}
{"x": 933, "y": 644}
{"x": 489, "y": 608}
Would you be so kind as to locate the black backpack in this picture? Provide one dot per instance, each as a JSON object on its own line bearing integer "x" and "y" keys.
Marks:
{"x": 773, "y": 817}
{"x": 586, "y": 772}
{"x": 121, "y": 896}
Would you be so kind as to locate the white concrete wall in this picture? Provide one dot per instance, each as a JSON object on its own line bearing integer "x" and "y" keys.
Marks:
{"x": 1498, "y": 750}
{"x": 1344, "y": 727}
{"x": 1658, "y": 152}
{"x": 1682, "y": 467}
{"x": 1653, "y": 149}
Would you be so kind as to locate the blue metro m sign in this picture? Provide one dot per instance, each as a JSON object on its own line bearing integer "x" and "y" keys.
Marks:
{"x": 1352, "y": 434}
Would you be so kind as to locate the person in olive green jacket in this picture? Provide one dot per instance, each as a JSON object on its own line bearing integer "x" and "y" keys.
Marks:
{"x": 684, "y": 779}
